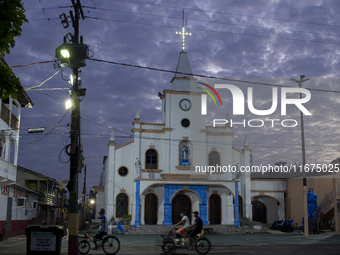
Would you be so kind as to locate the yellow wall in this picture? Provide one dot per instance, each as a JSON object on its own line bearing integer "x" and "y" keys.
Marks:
{"x": 322, "y": 186}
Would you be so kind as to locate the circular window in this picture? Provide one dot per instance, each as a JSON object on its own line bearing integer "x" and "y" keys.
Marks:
{"x": 123, "y": 171}
{"x": 185, "y": 123}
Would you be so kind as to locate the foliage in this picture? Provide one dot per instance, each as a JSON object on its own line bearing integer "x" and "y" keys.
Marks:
{"x": 127, "y": 216}
{"x": 12, "y": 17}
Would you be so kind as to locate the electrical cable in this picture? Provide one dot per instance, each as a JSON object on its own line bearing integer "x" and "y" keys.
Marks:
{"x": 26, "y": 89}
{"x": 214, "y": 22}
{"x": 207, "y": 76}
{"x": 51, "y": 130}
{"x": 37, "y": 63}
{"x": 213, "y": 31}
{"x": 227, "y": 13}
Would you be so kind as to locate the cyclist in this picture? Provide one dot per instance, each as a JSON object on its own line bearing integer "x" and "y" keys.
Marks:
{"x": 103, "y": 228}
{"x": 197, "y": 228}
{"x": 186, "y": 223}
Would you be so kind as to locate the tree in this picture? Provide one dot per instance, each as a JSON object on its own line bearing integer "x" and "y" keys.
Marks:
{"x": 12, "y": 17}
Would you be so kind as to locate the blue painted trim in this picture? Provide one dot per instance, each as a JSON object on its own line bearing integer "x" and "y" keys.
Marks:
{"x": 137, "y": 220}
{"x": 236, "y": 212}
{"x": 170, "y": 190}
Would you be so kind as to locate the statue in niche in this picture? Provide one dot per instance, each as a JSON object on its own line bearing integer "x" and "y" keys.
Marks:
{"x": 185, "y": 153}
{"x": 137, "y": 166}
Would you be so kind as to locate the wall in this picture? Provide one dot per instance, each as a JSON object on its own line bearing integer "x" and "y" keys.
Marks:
{"x": 322, "y": 186}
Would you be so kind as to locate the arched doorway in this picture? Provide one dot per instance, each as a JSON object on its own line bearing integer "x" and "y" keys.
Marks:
{"x": 180, "y": 203}
{"x": 150, "y": 209}
{"x": 259, "y": 211}
{"x": 240, "y": 206}
{"x": 215, "y": 209}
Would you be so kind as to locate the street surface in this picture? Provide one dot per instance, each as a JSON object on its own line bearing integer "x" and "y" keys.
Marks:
{"x": 222, "y": 244}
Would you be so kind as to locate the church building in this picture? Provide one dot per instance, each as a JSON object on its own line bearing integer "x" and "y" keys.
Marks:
{"x": 163, "y": 171}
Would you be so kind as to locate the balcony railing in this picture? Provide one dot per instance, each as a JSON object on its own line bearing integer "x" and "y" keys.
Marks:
{"x": 14, "y": 123}
{"x": 5, "y": 113}
{"x": 325, "y": 205}
{"x": 6, "y": 116}
{"x": 49, "y": 200}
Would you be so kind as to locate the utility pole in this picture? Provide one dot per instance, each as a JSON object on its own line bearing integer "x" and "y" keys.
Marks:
{"x": 74, "y": 55}
{"x": 305, "y": 204}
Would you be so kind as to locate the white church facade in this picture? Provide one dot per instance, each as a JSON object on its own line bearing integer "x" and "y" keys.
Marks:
{"x": 153, "y": 178}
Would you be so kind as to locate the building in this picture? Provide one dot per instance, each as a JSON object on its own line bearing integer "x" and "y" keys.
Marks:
{"x": 163, "y": 170}
{"x": 52, "y": 196}
{"x": 17, "y": 201}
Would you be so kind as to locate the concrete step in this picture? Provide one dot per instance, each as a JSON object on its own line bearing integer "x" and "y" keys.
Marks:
{"x": 217, "y": 229}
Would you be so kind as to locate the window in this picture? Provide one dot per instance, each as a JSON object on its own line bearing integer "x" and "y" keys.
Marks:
{"x": 35, "y": 205}
{"x": 0, "y": 148}
{"x": 122, "y": 205}
{"x": 123, "y": 171}
{"x": 20, "y": 202}
{"x": 185, "y": 123}
{"x": 214, "y": 158}
{"x": 151, "y": 159}
{"x": 32, "y": 184}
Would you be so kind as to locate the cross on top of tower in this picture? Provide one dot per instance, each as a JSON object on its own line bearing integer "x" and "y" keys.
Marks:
{"x": 183, "y": 34}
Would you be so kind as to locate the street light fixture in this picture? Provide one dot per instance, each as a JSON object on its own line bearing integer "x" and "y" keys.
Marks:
{"x": 65, "y": 53}
{"x": 68, "y": 104}
{"x": 72, "y": 55}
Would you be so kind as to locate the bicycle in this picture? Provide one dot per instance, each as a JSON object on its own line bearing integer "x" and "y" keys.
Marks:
{"x": 109, "y": 243}
{"x": 171, "y": 243}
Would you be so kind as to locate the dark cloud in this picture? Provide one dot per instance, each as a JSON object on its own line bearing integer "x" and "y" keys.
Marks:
{"x": 245, "y": 39}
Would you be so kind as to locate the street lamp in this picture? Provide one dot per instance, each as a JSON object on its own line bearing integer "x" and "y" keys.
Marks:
{"x": 68, "y": 104}
{"x": 305, "y": 208}
{"x": 72, "y": 55}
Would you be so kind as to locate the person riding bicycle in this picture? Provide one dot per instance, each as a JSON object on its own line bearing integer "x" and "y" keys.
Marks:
{"x": 186, "y": 223}
{"x": 197, "y": 228}
{"x": 103, "y": 229}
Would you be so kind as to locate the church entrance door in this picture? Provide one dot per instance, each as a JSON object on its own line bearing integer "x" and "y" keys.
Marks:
{"x": 215, "y": 209}
{"x": 259, "y": 211}
{"x": 180, "y": 203}
{"x": 151, "y": 209}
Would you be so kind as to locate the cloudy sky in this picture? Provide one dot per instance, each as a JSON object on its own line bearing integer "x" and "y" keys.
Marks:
{"x": 264, "y": 41}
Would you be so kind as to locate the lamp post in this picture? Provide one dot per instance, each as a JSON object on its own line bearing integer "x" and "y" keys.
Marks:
{"x": 73, "y": 55}
{"x": 305, "y": 208}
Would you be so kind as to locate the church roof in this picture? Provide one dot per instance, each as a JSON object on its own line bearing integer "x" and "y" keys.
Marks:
{"x": 183, "y": 79}
{"x": 183, "y": 69}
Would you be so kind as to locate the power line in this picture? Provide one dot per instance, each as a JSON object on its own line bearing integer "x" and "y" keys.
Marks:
{"x": 56, "y": 125}
{"x": 214, "y": 31}
{"x": 214, "y": 22}
{"x": 206, "y": 76}
{"x": 228, "y": 13}
{"x": 37, "y": 63}
{"x": 47, "y": 8}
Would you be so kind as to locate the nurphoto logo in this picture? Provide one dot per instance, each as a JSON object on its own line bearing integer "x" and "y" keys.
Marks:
{"x": 238, "y": 105}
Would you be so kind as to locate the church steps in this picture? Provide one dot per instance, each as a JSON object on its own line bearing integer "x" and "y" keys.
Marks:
{"x": 161, "y": 229}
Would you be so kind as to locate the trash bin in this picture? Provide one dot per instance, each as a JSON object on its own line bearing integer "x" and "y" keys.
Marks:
{"x": 43, "y": 239}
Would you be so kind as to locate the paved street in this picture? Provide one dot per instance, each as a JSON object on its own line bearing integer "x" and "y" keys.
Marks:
{"x": 222, "y": 244}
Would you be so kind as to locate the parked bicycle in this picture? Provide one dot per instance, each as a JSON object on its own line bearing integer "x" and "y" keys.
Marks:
{"x": 171, "y": 243}
{"x": 109, "y": 243}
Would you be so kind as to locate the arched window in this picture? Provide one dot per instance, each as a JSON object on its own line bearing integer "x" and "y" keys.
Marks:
{"x": 214, "y": 158}
{"x": 12, "y": 153}
{"x": 122, "y": 205}
{"x": 151, "y": 159}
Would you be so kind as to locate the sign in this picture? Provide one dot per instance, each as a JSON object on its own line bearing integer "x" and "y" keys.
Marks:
{"x": 43, "y": 241}
{"x": 12, "y": 192}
